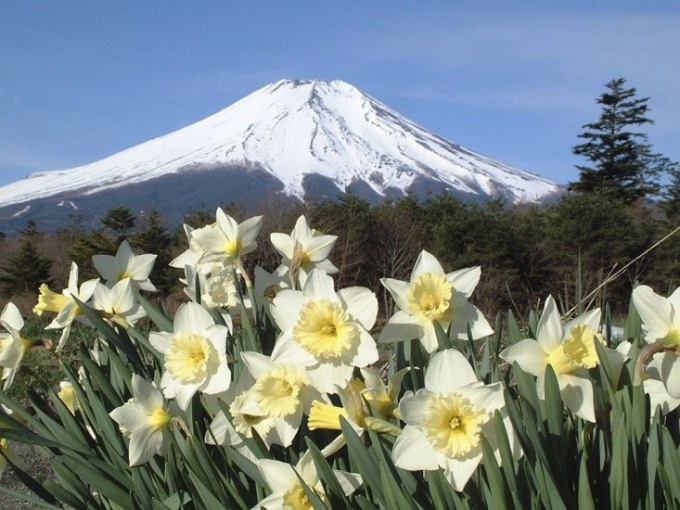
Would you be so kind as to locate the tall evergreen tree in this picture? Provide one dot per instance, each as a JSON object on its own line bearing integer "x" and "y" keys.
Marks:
{"x": 623, "y": 165}
{"x": 24, "y": 271}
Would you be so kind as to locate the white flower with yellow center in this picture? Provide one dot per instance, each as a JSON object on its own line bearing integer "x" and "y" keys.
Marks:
{"x": 217, "y": 291}
{"x": 118, "y": 303}
{"x": 126, "y": 265}
{"x": 570, "y": 350}
{"x": 63, "y": 304}
{"x": 433, "y": 296}
{"x": 195, "y": 355}
{"x": 12, "y": 345}
{"x": 192, "y": 255}
{"x": 144, "y": 420}
{"x": 445, "y": 421}
{"x": 287, "y": 491}
{"x": 325, "y": 331}
{"x": 228, "y": 241}
{"x": 304, "y": 249}
{"x": 661, "y": 323}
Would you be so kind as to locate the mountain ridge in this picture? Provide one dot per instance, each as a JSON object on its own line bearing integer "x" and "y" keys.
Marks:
{"x": 288, "y": 133}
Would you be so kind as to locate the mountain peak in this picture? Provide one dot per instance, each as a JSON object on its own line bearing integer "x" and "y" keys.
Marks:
{"x": 295, "y": 131}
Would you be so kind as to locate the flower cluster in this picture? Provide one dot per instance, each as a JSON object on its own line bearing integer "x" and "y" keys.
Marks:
{"x": 262, "y": 363}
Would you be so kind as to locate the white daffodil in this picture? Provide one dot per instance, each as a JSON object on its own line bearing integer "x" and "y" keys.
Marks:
{"x": 446, "y": 420}
{"x": 433, "y": 296}
{"x": 195, "y": 355}
{"x": 12, "y": 345}
{"x": 325, "y": 331}
{"x": 304, "y": 249}
{"x": 288, "y": 492}
{"x": 192, "y": 255}
{"x": 118, "y": 303}
{"x": 652, "y": 383}
{"x": 144, "y": 419}
{"x": 570, "y": 350}
{"x": 126, "y": 265}
{"x": 247, "y": 418}
{"x": 661, "y": 324}
{"x": 217, "y": 291}
{"x": 63, "y": 304}
{"x": 229, "y": 241}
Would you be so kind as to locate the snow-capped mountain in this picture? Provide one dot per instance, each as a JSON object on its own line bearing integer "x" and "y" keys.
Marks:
{"x": 293, "y": 137}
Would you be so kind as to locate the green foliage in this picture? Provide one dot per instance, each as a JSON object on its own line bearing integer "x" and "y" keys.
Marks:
{"x": 24, "y": 271}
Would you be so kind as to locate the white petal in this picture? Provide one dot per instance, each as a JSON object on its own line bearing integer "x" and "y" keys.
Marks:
{"x": 577, "y": 394}
{"x": 348, "y": 481}
{"x": 361, "y": 304}
{"x": 459, "y": 471}
{"x": 367, "y": 352}
{"x": 488, "y": 397}
{"x": 590, "y": 319}
{"x": 655, "y": 312}
{"x": 219, "y": 381}
{"x": 401, "y": 326}
{"x": 319, "y": 248}
{"x": 550, "y": 332}
{"x": 465, "y": 280}
{"x": 448, "y": 370}
{"x": 326, "y": 376}
{"x": 192, "y": 317}
{"x": 466, "y": 314}
{"x": 669, "y": 368}
{"x": 144, "y": 444}
{"x": 398, "y": 290}
{"x": 11, "y": 318}
{"x": 256, "y": 363}
{"x": 528, "y": 354}
{"x": 319, "y": 286}
{"x": 658, "y": 396}
{"x": 283, "y": 243}
{"x": 412, "y": 451}
{"x": 426, "y": 263}
{"x": 248, "y": 231}
{"x": 280, "y": 476}
{"x": 285, "y": 308}
{"x": 413, "y": 408}
{"x": 161, "y": 341}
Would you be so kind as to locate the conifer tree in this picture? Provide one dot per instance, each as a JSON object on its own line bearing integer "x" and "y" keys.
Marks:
{"x": 24, "y": 271}
{"x": 623, "y": 165}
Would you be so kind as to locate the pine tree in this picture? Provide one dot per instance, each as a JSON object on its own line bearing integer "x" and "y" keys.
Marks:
{"x": 623, "y": 164}
{"x": 24, "y": 271}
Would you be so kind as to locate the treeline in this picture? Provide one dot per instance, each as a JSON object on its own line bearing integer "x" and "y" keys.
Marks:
{"x": 526, "y": 252}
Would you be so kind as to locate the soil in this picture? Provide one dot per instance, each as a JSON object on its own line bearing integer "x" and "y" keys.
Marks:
{"x": 36, "y": 464}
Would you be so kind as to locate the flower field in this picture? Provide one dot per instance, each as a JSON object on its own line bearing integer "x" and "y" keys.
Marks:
{"x": 277, "y": 390}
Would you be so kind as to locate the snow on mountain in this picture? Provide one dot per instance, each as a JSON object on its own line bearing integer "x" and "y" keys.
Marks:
{"x": 292, "y": 129}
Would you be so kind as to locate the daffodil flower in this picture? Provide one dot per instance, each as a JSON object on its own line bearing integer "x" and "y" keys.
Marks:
{"x": 68, "y": 396}
{"x": 382, "y": 398}
{"x": 144, "y": 420}
{"x": 195, "y": 357}
{"x": 192, "y": 255}
{"x": 661, "y": 323}
{"x": 126, "y": 265}
{"x": 12, "y": 345}
{"x": 433, "y": 296}
{"x": 63, "y": 304}
{"x": 570, "y": 350}
{"x": 118, "y": 303}
{"x": 288, "y": 492}
{"x": 325, "y": 331}
{"x": 304, "y": 249}
{"x": 228, "y": 241}
{"x": 445, "y": 421}
{"x": 218, "y": 291}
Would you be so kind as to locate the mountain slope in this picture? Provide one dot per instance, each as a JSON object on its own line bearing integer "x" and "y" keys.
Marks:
{"x": 295, "y": 133}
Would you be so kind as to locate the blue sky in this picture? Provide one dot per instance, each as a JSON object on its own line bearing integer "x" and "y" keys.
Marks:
{"x": 513, "y": 80}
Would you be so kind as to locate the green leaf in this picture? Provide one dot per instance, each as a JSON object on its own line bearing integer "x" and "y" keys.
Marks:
{"x": 585, "y": 496}
{"x": 161, "y": 320}
{"x": 494, "y": 475}
{"x": 366, "y": 464}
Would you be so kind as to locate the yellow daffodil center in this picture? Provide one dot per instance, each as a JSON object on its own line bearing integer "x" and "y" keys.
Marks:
{"x": 673, "y": 337}
{"x": 325, "y": 330}
{"x": 296, "y": 498}
{"x": 49, "y": 301}
{"x": 124, "y": 274}
{"x": 429, "y": 296}
{"x": 453, "y": 425}
{"x": 577, "y": 350}
{"x": 159, "y": 418}
{"x": 232, "y": 248}
{"x": 277, "y": 391}
{"x": 187, "y": 357}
